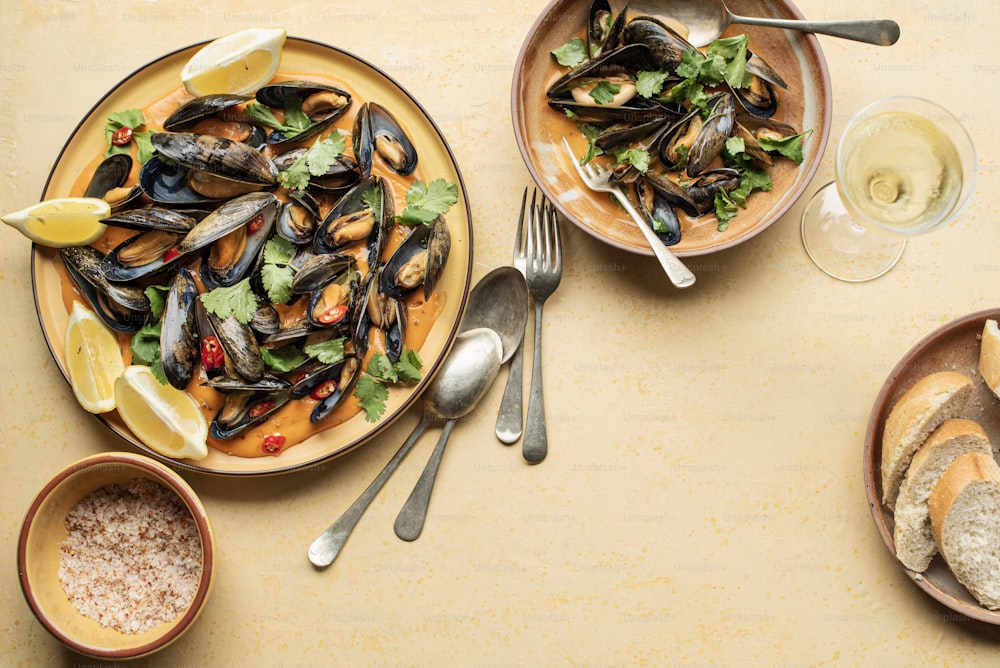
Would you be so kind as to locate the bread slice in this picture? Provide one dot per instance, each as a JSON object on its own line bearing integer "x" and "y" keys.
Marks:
{"x": 915, "y": 546}
{"x": 989, "y": 356}
{"x": 964, "y": 507}
{"x": 933, "y": 399}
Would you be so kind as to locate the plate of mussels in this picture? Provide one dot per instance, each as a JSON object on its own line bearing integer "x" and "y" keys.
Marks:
{"x": 274, "y": 227}
{"x": 712, "y": 144}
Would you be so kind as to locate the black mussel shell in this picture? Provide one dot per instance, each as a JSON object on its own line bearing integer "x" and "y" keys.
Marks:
{"x": 376, "y": 131}
{"x": 256, "y": 232}
{"x": 332, "y": 234}
{"x": 166, "y": 183}
{"x": 221, "y": 157}
{"x": 666, "y": 47}
{"x": 243, "y": 409}
{"x": 658, "y": 212}
{"x": 202, "y": 107}
{"x": 624, "y": 59}
{"x": 115, "y": 270}
{"x": 179, "y": 343}
{"x": 152, "y": 218}
{"x": 335, "y": 388}
{"x": 124, "y": 308}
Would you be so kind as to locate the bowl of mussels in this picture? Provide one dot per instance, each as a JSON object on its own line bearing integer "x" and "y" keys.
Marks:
{"x": 712, "y": 144}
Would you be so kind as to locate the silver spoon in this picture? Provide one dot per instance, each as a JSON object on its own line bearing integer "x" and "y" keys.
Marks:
{"x": 707, "y": 19}
{"x": 467, "y": 371}
{"x": 498, "y": 302}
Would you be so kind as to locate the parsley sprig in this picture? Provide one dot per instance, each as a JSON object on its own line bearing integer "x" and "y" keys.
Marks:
{"x": 372, "y": 388}
{"x": 425, "y": 202}
{"x": 315, "y": 162}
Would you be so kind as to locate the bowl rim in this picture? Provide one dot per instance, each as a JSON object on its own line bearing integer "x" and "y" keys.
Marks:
{"x": 175, "y": 483}
{"x": 810, "y": 46}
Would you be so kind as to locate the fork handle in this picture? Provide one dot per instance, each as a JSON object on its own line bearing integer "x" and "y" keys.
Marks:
{"x": 676, "y": 271}
{"x": 536, "y": 439}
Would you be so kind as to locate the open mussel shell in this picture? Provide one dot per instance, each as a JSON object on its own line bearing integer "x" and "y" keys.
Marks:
{"x": 375, "y": 309}
{"x": 108, "y": 182}
{"x": 142, "y": 256}
{"x": 123, "y": 307}
{"x": 702, "y": 189}
{"x": 376, "y": 131}
{"x": 298, "y": 217}
{"x": 328, "y": 384}
{"x": 222, "y": 158}
{"x": 205, "y": 106}
{"x": 238, "y": 253}
{"x": 152, "y": 218}
{"x": 320, "y": 269}
{"x": 322, "y": 103}
{"x": 666, "y": 47}
{"x": 332, "y": 302}
{"x": 351, "y": 219}
{"x": 179, "y": 341}
{"x": 418, "y": 261}
{"x": 166, "y": 183}
{"x": 622, "y": 60}
{"x": 659, "y": 212}
{"x": 242, "y": 409}
{"x": 703, "y": 138}
{"x": 228, "y": 217}
{"x": 671, "y": 192}
{"x": 239, "y": 343}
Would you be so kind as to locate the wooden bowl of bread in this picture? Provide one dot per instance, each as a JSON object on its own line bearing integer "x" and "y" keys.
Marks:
{"x": 931, "y": 474}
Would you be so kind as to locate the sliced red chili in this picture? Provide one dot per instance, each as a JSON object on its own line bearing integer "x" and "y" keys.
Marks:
{"x": 212, "y": 355}
{"x": 171, "y": 254}
{"x": 259, "y": 408}
{"x": 273, "y": 443}
{"x": 121, "y": 136}
{"x": 333, "y": 314}
{"x": 255, "y": 223}
{"x": 323, "y": 390}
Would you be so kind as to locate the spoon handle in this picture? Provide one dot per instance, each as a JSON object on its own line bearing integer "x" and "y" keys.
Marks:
{"x": 510, "y": 415}
{"x": 536, "y": 439}
{"x": 410, "y": 521}
{"x": 326, "y": 548}
{"x": 881, "y": 32}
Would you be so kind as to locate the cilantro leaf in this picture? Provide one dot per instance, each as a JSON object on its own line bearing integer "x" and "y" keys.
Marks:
{"x": 572, "y": 53}
{"x": 649, "y": 84}
{"x": 276, "y": 274}
{"x": 734, "y": 51}
{"x": 380, "y": 367}
{"x": 725, "y": 210}
{"x": 237, "y": 300}
{"x": 372, "y": 198}
{"x": 591, "y": 132}
{"x": 604, "y": 92}
{"x": 790, "y": 147}
{"x": 145, "y": 348}
{"x": 408, "y": 367}
{"x": 157, "y": 296}
{"x": 637, "y": 157}
{"x": 372, "y": 395}
{"x": 330, "y": 351}
{"x": 424, "y": 203}
{"x": 286, "y": 358}
{"x": 132, "y": 119}
{"x": 314, "y": 162}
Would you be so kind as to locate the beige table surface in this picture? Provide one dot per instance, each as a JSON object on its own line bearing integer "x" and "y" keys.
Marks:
{"x": 702, "y": 503}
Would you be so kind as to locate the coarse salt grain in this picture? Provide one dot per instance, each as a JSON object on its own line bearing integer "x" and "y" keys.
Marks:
{"x": 132, "y": 559}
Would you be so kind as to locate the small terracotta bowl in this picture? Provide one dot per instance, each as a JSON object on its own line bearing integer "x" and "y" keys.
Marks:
{"x": 44, "y": 530}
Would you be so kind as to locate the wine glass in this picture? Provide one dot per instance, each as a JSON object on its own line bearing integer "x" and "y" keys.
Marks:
{"x": 904, "y": 166}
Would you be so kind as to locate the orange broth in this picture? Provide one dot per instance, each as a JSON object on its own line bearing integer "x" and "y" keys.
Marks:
{"x": 292, "y": 420}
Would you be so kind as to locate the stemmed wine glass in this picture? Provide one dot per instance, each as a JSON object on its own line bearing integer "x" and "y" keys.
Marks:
{"x": 905, "y": 166}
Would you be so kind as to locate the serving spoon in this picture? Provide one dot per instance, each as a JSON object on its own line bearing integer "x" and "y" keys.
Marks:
{"x": 707, "y": 19}
{"x": 467, "y": 371}
{"x": 498, "y": 302}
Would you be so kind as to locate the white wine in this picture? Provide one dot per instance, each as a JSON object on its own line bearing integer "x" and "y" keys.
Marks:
{"x": 901, "y": 171}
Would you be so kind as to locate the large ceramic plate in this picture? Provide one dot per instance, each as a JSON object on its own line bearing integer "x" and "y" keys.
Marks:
{"x": 160, "y": 78}
{"x": 953, "y": 347}
{"x": 539, "y": 129}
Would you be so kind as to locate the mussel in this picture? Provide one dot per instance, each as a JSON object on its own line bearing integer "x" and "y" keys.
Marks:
{"x": 327, "y": 384}
{"x": 322, "y": 104}
{"x": 695, "y": 141}
{"x": 418, "y": 261}
{"x": 108, "y": 182}
{"x": 377, "y": 132}
{"x": 122, "y": 307}
{"x": 179, "y": 345}
{"x": 365, "y": 213}
{"x": 218, "y": 115}
{"x": 243, "y": 409}
{"x": 214, "y": 167}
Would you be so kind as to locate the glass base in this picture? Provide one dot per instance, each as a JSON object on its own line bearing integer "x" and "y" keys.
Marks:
{"x": 842, "y": 248}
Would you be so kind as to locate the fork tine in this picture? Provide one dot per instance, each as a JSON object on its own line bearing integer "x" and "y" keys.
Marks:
{"x": 532, "y": 233}
{"x": 556, "y": 238}
{"x": 520, "y": 223}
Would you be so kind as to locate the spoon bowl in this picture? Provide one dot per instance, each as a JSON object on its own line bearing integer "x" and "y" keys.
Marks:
{"x": 499, "y": 301}
{"x": 706, "y": 20}
{"x": 466, "y": 374}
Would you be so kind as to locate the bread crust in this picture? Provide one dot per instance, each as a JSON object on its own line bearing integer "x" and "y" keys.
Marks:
{"x": 970, "y": 468}
{"x": 989, "y": 356}
{"x": 932, "y": 400}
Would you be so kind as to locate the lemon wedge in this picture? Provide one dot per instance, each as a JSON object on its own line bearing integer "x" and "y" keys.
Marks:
{"x": 238, "y": 63}
{"x": 93, "y": 360}
{"x": 166, "y": 419}
{"x": 61, "y": 222}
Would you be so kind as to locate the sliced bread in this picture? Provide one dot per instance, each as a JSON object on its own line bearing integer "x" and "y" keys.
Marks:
{"x": 915, "y": 546}
{"x": 933, "y": 399}
{"x": 989, "y": 356}
{"x": 964, "y": 508}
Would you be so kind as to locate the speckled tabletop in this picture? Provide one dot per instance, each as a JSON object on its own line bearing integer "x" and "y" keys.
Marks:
{"x": 702, "y": 502}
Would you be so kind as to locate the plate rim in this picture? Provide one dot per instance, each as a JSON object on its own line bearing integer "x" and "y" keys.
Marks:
{"x": 873, "y": 435}
{"x": 387, "y": 420}
{"x": 812, "y": 45}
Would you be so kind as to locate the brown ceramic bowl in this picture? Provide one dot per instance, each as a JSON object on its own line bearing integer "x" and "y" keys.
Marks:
{"x": 539, "y": 129}
{"x": 953, "y": 347}
{"x": 38, "y": 556}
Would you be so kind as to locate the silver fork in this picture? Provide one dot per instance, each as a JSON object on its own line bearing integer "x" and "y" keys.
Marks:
{"x": 543, "y": 273}
{"x": 596, "y": 178}
{"x": 509, "y": 417}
